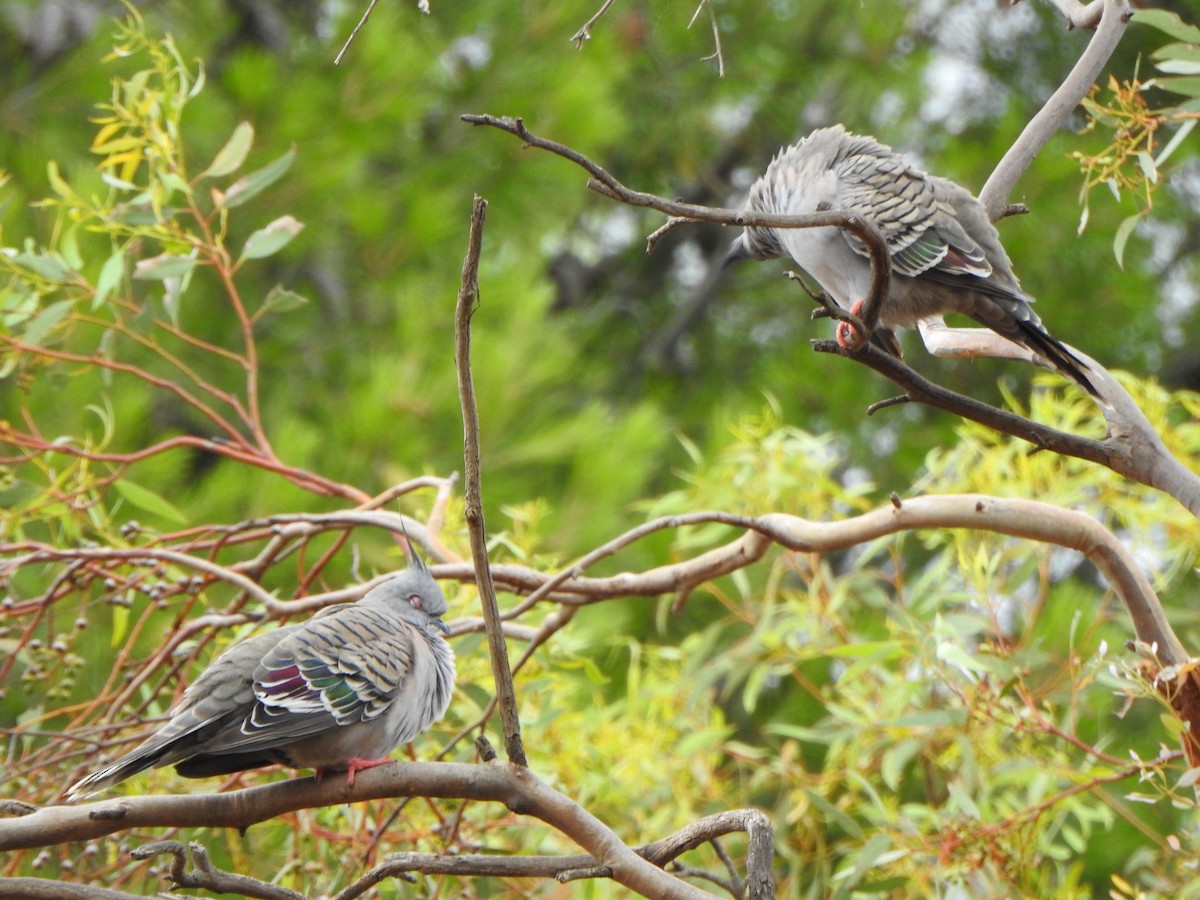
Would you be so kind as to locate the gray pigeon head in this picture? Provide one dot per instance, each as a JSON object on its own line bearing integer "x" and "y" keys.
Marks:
{"x": 414, "y": 595}
{"x": 755, "y": 242}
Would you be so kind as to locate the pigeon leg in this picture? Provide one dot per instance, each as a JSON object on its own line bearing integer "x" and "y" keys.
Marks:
{"x": 356, "y": 765}
{"x": 845, "y": 329}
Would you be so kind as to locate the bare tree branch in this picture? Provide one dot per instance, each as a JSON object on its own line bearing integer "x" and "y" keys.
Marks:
{"x": 1132, "y": 448}
{"x": 1080, "y": 15}
{"x": 514, "y": 786}
{"x": 45, "y": 889}
{"x": 205, "y": 875}
{"x": 1132, "y": 442}
{"x": 760, "y": 883}
{"x": 584, "y": 34}
{"x": 468, "y": 299}
{"x": 1061, "y": 104}
{"x": 604, "y": 183}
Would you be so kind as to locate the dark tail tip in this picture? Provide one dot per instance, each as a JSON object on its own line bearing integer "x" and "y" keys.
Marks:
{"x": 1063, "y": 359}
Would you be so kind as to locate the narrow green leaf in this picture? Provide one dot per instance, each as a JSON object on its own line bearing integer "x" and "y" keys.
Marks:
{"x": 48, "y": 265}
{"x": 173, "y": 292}
{"x": 1179, "y": 67}
{"x": 110, "y": 277}
{"x": 1187, "y": 85}
{"x": 1124, "y": 230}
{"x": 271, "y": 239}
{"x": 1146, "y": 161}
{"x": 835, "y": 816}
{"x": 896, "y": 759}
{"x": 57, "y": 183}
{"x": 1168, "y": 22}
{"x": 1177, "y": 51}
{"x": 69, "y": 248}
{"x": 280, "y": 299}
{"x": 1178, "y": 138}
{"x": 960, "y": 798}
{"x": 871, "y": 851}
{"x": 251, "y": 185}
{"x": 157, "y": 268}
{"x": 120, "y": 626}
{"x": 41, "y": 324}
{"x": 230, "y": 157}
{"x": 148, "y": 501}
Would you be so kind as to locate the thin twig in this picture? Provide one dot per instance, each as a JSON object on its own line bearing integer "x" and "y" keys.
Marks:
{"x": 468, "y": 298}
{"x": 604, "y": 183}
{"x": 205, "y": 875}
{"x": 337, "y": 60}
{"x": 584, "y": 34}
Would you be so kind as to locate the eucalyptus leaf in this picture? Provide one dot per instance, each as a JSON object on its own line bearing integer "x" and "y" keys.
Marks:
{"x": 168, "y": 265}
{"x": 251, "y": 185}
{"x": 230, "y": 157}
{"x": 148, "y": 501}
{"x": 271, "y": 239}
{"x": 41, "y": 324}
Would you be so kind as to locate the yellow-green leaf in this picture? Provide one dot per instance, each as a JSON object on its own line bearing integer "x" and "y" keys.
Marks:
{"x": 230, "y": 157}
{"x": 148, "y": 501}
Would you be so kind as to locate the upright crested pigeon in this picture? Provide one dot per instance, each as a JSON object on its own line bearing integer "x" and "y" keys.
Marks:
{"x": 946, "y": 254}
{"x": 336, "y": 692}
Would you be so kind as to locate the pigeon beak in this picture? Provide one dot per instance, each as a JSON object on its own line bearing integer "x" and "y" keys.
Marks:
{"x": 738, "y": 251}
{"x": 437, "y": 620}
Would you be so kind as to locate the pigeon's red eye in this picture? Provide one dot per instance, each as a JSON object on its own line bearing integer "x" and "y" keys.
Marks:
{"x": 416, "y": 601}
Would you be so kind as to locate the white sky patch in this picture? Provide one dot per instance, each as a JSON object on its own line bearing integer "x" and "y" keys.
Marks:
{"x": 959, "y": 92}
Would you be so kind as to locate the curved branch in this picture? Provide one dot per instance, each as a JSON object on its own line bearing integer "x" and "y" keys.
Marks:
{"x": 1078, "y": 14}
{"x": 604, "y": 183}
{"x": 514, "y": 786}
{"x": 753, "y": 822}
{"x": 44, "y": 889}
{"x": 1132, "y": 448}
{"x": 1061, "y": 104}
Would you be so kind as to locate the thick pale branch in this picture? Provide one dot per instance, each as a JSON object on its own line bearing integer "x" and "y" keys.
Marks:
{"x": 1080, "y": 15}
{"x": 1061, "y": 104}
{"x": 44, "y": 889}
{"x": 1029, "y": 519}
{"x": 514, "y": 786}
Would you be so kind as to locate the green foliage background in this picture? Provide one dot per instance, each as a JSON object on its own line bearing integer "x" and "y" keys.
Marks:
{"x": 900, "y": 709}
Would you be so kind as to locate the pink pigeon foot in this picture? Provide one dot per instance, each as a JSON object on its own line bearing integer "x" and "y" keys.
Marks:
{"x": 844, "y": 329}
{"x": 356, "y": 765}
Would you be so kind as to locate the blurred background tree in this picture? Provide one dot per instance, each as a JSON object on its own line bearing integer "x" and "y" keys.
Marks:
{"x": 612, "y": 383}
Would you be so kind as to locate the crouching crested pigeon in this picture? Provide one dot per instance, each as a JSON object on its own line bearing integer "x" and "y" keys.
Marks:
{"x": 336, "y": 692}
{"x": 946, "y": 255}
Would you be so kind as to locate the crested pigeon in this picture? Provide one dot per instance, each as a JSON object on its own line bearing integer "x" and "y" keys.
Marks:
{"x": 336, "y": 692}
{"x": 946, "y": 255}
